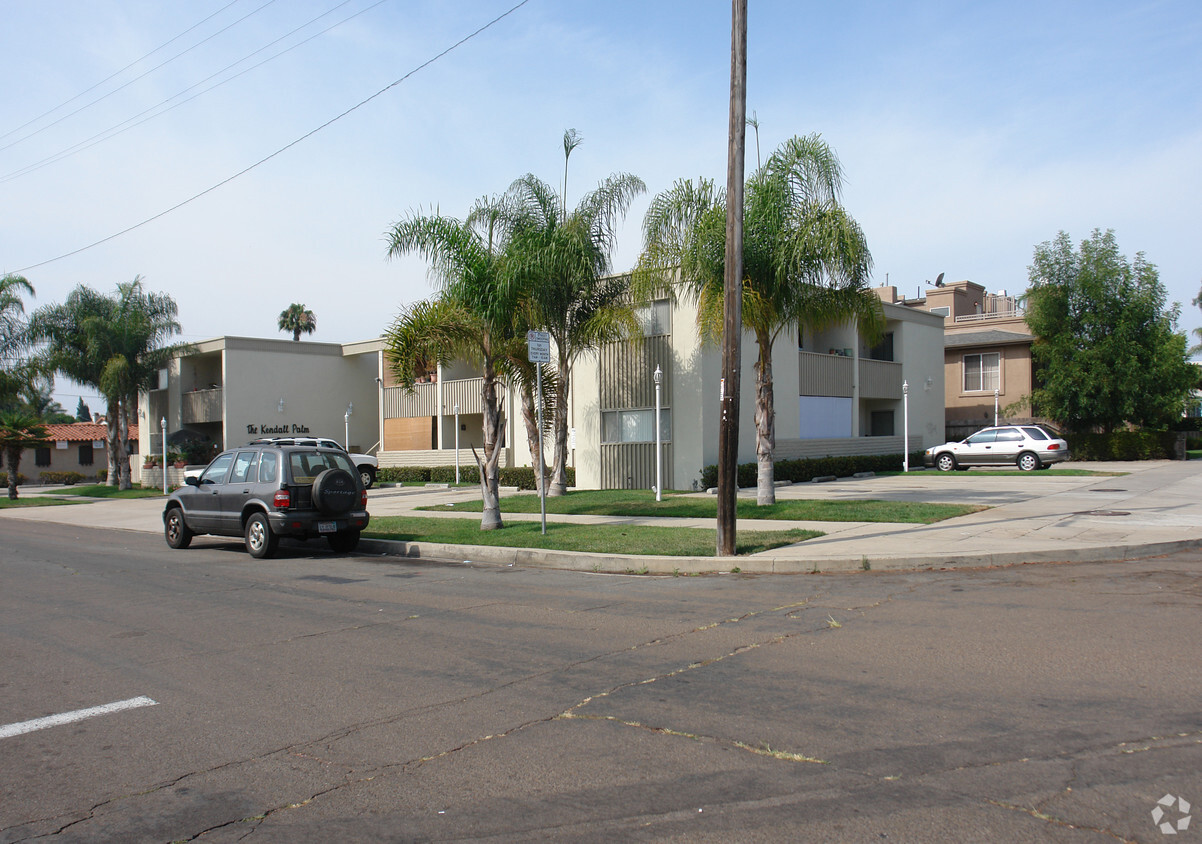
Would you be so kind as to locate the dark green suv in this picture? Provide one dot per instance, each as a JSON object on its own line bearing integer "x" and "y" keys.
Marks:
{"x": 264, "y": 491}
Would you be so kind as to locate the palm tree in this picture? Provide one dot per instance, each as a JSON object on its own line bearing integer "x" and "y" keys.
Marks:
{"x": 471, "y": 318}
{"x": 19, "y": 430}
{"x": 116, "y": 344}
{"x": 806, "y": 262}
{"x": 14, "y": 372}
{"x": 298, "y": 320}
{"x": 562, "y": 261}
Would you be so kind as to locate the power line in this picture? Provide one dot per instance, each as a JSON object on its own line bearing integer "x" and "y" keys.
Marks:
{"x": 119, "y": 72}
{"x": 157, "y": 110}
{"x": 284, "y": 148}
{"x": 136, "y": 78}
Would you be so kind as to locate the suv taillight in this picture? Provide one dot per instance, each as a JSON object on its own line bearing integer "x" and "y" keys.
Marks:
{"x": 282, "y": 499}
{"x": 363, "y": 499}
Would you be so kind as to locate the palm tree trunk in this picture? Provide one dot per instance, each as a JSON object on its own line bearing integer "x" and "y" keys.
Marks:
{"x": 490, "y": 491}
{"x": 110, "y": 425}
{"x": 533, "y": 435}
{"x": 122, "y": 450}
{"x": 12, "y": 456}
{"x": 765, "y": 424}
{"x": 558, "y": 485}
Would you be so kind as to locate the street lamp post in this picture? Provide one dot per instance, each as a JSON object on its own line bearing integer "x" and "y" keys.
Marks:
{"x": 658, "y": 375}
{"x": 163, "y": 424}
{"x": 905, "y": 426}
{"x": 995, "y": 394}
{"x": 456, "y": 444}
{"x": 346, "y": 421}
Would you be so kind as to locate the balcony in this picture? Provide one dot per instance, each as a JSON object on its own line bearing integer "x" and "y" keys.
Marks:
{"x": 424, "y": 399}
{"x": 201, "y": 406}
{"x": 831, "y": 375}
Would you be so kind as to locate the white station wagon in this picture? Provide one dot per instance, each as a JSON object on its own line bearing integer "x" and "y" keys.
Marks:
{"x": 1027, "y": 446}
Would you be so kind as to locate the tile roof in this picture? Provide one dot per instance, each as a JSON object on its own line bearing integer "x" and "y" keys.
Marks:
{"x": 78, "y": 432}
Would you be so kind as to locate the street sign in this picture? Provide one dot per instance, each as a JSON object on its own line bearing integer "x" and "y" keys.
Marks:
{"x": 538, "y": 346}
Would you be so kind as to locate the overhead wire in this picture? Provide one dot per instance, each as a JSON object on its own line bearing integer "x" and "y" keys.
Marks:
{"x": 284, "y": 148}
{"x": 115, "y": 74}
{"x": 136, "y": 78}
{"x": 158, "y": 110}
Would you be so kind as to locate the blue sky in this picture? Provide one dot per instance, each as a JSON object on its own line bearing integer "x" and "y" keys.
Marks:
{"x": 969, "y": 132}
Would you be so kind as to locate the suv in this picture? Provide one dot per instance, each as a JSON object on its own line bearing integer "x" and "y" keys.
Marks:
{"x": 366, "y": 465}
{"x": 1028, "y": 446}
{"x": 266, "y": 490}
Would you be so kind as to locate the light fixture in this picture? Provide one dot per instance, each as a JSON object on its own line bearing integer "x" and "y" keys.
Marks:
{"x": 279, "y": 408}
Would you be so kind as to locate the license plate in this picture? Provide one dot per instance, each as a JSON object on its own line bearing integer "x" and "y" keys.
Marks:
{"x": 327, "y": 527}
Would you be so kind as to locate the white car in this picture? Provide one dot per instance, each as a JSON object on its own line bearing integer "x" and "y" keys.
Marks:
{"x": 1027, "y": 446}
{"x": 365, "y": 463}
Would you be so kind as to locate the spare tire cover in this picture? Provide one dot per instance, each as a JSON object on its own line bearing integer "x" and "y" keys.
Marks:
{"x": 335, "y": 491}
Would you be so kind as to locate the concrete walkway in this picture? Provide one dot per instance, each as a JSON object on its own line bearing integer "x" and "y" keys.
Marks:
{"x": 1155, "y": 508}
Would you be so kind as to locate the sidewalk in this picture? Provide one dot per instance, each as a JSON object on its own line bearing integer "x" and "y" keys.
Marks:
{"x": 1044, "y": 517}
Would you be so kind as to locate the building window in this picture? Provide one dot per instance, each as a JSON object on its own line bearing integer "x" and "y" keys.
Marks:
{"x": 982, "y": 372}
{"x": 41, "y": 456}
{"x": 635, "y": 426}
{"x": 882, "y": 350}
{"x": 943, "y": 311}
{"x": 655, "y": 318}
{"x": 85, "y": 454}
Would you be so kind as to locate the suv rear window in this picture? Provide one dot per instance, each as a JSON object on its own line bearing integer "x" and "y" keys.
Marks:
{"x": 307, "y": 465}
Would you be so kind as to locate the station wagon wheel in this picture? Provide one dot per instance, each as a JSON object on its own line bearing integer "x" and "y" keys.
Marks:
{"x": 261, "y": 542}
{"x": 945, "y": 462}
{"x": 176, "y": 530}
{"x": 1028, "y": 462}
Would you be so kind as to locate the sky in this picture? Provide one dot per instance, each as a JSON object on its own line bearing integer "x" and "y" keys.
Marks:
{"x": 969, "y": 133}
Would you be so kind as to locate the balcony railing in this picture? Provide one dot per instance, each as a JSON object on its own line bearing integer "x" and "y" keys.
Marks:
{"x": 831, "y": 375}
{"x": 201, "y": 406}
{"x": 400, "y": 403}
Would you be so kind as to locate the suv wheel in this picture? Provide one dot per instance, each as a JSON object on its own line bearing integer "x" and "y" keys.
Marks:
{"x": 344, "y": 541}
{"x": 945, "y": 462}
{"x": 261, "y": 542}
{"x": 176, "y": 530}
{"x": 334, "y": 492}
{"x": 368, "y": 475}
{"x": 1028, "y": 462}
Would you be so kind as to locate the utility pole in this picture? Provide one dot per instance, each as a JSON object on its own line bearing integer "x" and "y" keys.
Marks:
{"x": 732, "y": 326}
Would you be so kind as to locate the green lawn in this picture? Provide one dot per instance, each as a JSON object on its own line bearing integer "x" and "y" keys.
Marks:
{"x": 103, "y": 491}
{"x": 610, "y": 502}
{"x": 605, "y": 539}
{"x": 36, "y": 501}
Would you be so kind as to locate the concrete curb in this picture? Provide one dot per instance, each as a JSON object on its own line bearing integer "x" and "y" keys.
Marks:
{"x": 759, "y": 564}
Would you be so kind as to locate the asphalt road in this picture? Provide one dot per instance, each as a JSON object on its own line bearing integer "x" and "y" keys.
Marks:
{"x": 321, "y": 698}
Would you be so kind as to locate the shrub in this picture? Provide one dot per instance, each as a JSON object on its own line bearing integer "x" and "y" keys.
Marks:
{"x": 21, "y": 479}
{"x": 404, "y": 474}
{"x": 806, "y": 469}
{"x": 1123, "y": 445}
{"x": 102, "y": 475}
{"x": 521, "y": 477}
{"x": 67, "y": 478}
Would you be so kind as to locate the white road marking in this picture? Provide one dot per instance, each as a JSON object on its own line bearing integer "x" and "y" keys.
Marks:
{"x": 10, "y": 730}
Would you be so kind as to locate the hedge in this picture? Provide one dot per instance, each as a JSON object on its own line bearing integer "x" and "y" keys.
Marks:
{"x": 1124, "y": 445}
{"x": 521, "y": 477}
{"x": 67, "y": 478}
{"x": 806, "y": 469}
{"x": 21, "y": 479}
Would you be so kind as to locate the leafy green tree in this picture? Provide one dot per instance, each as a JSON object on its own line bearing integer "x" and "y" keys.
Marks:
{"x": 1197, "y": 348}
{"x": 1107, "y": 352}
{"x": 297, "y": 319}
{"x": 19, "y": 430}
{"x": 82, "y": 412}
{"x": 562, "y": 261}
{"x": 806, "y": 262}
{"x": 116, "y": 344}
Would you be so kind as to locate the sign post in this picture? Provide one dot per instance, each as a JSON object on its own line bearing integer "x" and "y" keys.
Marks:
{"x": 538, "y": 352}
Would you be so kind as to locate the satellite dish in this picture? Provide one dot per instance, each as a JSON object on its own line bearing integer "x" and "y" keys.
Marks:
{"x": 939, "y": 280}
